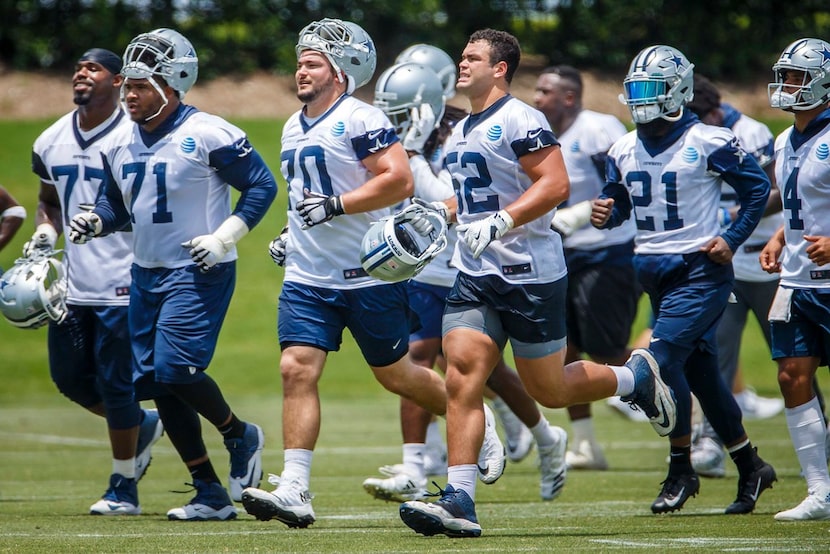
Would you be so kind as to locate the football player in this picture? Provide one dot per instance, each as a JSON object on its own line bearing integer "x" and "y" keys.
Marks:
{"x": 411, "y": 94}
{"x": 345, "y": 168}
{"x": 671, "y": 170}
{"x": 169, "y": 174}
{"x": 89, "y": 350}
{"x": 800, "y": 252}
{"x": 509, "y": 176}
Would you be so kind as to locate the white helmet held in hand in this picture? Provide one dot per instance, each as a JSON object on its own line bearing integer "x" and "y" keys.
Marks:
{"x": 33, "y": 291}
{"x": 393, "y": 250}
{"x": 346, "y": 46}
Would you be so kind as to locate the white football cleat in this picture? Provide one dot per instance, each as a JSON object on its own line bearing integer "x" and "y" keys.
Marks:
{"x": 398, "y": 486}
{"x": 289, "y": 503}
{"x": 813, "y": 508}
{"x": 586, "y": 454}
{"x": 552, "y": 464}
{"x": 491, "y": 458}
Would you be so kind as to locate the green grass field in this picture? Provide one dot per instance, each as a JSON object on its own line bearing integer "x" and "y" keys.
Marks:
{"x": 55, "y": 458}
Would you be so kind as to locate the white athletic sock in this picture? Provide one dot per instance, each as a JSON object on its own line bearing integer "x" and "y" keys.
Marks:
{"x": 582, "y": 430}
{"x": 413, "y": 458}
{"x": 297, "y": 465}
{"x": 625, "y": 379}
{"x": 124, "y": 468}
{"x": 463, "y": 477}
{"x": 541, "y": 432}
{"x": 806, "y": 426}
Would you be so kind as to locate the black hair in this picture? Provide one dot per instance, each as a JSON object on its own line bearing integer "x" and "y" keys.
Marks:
{"x": 567, "y": 73}
{"x": 504, "y": 47}
{"x": 706, "y": 99}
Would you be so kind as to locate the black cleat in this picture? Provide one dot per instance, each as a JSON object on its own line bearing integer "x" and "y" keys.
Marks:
{"x": 677, "y": 489}
{"x": 751, "y": 487}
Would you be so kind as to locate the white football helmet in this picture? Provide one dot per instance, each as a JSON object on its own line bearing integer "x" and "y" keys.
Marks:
{"x": 437, "y": 60}
{"x": 393, "y": 250}
{"x": 164, "y": 53}
{"x": 405, "y": 86}
{"x": 660, "y": 81}
{"x": 33, "y": 291}
{"x": 812, "y": 56}
{"x": 347, "y": 47}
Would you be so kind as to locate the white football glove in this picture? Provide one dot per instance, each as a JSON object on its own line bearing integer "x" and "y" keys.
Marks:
{"x": 277, "y": 247}
{"x": 85, "y": 226}
{"x": 421, "y": 125}
{"x": 478, "y": 234}
{"x": 316, "y": 208}
{"x": 44, "y": 239}
{"x": 439, "y": 207}
{"x": 567, "y": 220}
{"x": 209, "y": 250}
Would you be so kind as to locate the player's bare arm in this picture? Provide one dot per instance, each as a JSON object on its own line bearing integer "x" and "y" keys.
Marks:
{"x": 550, "y": 187}
{"x": 392, "y": 182}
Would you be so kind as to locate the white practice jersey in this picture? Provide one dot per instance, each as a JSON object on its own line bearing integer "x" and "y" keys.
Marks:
{"x": 435, "y": 185}
{"x": 675, "y": 196}
{"x": 170, "y": 187}
{"x": 757, "y": 140}
{"x": 591, "y": 134}
{"x": 98, "y": 273}
{"x": 326, "y": 157}
{"x": 802, "y": 173}
{"x": 483, "y": 158}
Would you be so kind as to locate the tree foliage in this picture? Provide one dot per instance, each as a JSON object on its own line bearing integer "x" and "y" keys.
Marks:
{"x": 732, "y": 39}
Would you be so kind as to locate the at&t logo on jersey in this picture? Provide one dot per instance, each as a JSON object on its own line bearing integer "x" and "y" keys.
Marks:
{"x": 494, "y": 133}
{"x": 822, "y": 151}
{"x": 188, "y": 145}
{"x": 690, "y": 155}
{"x": 338, "y": 129}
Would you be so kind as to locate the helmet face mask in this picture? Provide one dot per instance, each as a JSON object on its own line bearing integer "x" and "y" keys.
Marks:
{"x": 437, "y": 60}
{"x": 348, "y": 48}
{"x": 162, "y": 53}
{"x": 405, "y": 86}
{"x": 809, "y": 57}
{"x": 660, "y": 81}
{"x": 392, "y": 250}
{"x": 34, "y": 291}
